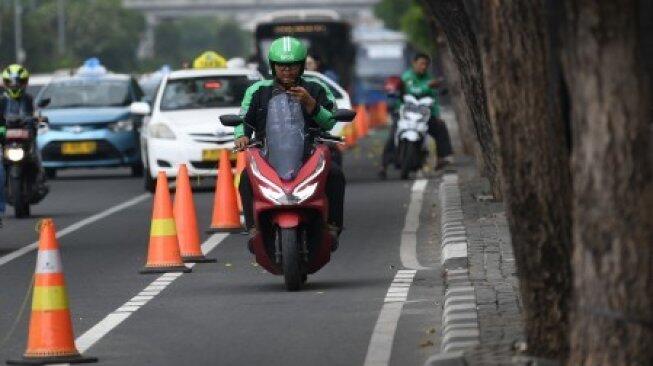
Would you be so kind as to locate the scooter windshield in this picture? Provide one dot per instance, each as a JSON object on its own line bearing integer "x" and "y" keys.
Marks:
{"x": 285, "y": 136}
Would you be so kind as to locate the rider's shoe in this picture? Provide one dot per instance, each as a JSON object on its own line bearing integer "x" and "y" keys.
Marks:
{"x": 251, "y": 234}
{"x": 335, "y": 231}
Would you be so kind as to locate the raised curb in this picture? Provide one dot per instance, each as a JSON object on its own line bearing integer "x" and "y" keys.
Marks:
{"x": 459, "y": 314}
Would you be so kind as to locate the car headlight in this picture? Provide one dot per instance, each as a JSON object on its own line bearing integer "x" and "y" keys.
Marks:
{"x": 15, "y": 153}
{"x": 161, "y": 131}
{"x": 122, "y": 126}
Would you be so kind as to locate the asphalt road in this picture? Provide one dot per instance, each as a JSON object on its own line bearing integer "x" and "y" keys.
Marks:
{"x": 232, "y": 312}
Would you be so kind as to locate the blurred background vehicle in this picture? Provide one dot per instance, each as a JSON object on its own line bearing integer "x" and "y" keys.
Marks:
{"x": 90, "y": 121}
{"x": 184, "y": 125}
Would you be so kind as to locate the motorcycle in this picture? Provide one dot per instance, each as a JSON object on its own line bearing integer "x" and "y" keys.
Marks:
{"x": 411, "y": 140}
{"x": 21, "y": 162}
{"x": 288, "y": 173}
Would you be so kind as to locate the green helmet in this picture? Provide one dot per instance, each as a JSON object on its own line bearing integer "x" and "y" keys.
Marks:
{"x": 15, "y": 78}
{"x": 287, "y": 50}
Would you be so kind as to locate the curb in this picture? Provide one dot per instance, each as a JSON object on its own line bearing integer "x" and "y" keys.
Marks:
{"x": 459, "y": 314}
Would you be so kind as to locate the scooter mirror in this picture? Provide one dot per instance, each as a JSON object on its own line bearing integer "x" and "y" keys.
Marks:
{"x": 43, "y": 102}
{"x": 344, "y": 115}
{"x": 231, "y": 120}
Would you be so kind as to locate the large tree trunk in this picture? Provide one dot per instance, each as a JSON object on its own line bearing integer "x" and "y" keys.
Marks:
{"x": 610, "y": 91}
{"x": 523, "y": 103}
{"x": 451, "y": 16}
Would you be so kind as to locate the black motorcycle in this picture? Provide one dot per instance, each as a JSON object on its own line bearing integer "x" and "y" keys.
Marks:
{"x": 24, "y": 176}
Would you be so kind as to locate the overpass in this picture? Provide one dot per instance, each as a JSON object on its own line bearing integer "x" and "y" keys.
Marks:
{"x": 246, "y": 12}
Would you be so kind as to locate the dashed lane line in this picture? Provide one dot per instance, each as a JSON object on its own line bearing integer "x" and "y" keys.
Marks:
{"x": 124, "y": 311}
{"x": 408, "y": 247}
{"x": 380, "y": 348}
{"x": 76, "y": 226}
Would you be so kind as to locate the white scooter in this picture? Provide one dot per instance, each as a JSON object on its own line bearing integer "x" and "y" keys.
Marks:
{"x": 411, "y": 140}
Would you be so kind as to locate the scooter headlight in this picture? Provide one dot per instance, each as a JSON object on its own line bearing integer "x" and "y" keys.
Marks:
{"x": 15, "y": 153}
{"x": 305, "y": 193}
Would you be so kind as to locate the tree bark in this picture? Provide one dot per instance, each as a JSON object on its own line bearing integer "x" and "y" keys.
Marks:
{"x": 610, "y": 92}
{"x": 451, "y": 16}
{"x": 524, "y": 109}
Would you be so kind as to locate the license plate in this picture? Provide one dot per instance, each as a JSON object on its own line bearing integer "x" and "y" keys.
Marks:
{"x": 16, "y": 133}
{"x": 214, "y": 155}
{"x": 79, "y": 148}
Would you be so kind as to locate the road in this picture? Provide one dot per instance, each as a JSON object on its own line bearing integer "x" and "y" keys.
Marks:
{"x": 232, "y": 312}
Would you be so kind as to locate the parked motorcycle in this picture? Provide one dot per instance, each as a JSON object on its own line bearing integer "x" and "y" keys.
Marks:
{"x": 22, "y": 164}
{"x": 288, "y": 173}
{"x": 411, "y": 140}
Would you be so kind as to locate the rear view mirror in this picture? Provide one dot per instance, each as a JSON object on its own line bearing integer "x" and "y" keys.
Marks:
{"x": 140, "y": 108}
{"x": 43, "y": 102}
{"x": 231, "y": 120}
{"x": 344, "y": 115}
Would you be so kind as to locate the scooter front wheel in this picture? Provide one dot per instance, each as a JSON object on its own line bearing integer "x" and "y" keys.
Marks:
{"x": 18, "y": 190}
{"x": 290, "y": 259}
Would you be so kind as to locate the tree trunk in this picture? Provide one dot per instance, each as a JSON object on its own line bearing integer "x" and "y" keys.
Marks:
{"x": 523, "y": 103}
{"x": 610, "y": 92}
{"x": 451, "y": 16}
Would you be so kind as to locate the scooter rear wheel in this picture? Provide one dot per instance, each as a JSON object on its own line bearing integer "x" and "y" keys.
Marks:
{"x": 290, "y": 259}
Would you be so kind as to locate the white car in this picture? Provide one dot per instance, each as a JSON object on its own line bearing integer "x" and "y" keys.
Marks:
{"x": 342, "y": 97}
{"x": 184, "y": 126}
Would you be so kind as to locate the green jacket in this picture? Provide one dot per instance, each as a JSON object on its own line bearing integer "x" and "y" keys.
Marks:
{"x": 418, "y": 86}
{"x": 254, "y": 106}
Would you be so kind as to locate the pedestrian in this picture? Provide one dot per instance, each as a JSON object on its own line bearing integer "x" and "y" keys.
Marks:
{"x": 419, "y": 83}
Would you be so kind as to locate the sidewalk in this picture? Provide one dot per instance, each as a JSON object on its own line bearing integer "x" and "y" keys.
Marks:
{"x": 482, "y": 319}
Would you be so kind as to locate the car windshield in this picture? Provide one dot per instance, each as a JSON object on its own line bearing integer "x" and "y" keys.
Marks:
{"x": 81, "y": 93}
{"x": 204, "y": 92}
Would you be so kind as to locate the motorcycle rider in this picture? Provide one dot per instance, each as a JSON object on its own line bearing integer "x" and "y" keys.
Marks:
{"x": 287, "y": 57}
{"x": 418, "y": 82}
{"x": 17, "y": 102}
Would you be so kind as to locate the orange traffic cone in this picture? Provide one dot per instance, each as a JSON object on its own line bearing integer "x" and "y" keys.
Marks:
{"x": 383, "y": 113}
{"x": 226, "y": 217}
{"x": 50, "y": 338}
{"x": 241, "y": 164}
{"x": 373, "y": 115}
{"x": 361, "y": 122}
{"x": 186, "y": 220}
{"x": 163, "y": 254}
{"x": 350, "y": 136}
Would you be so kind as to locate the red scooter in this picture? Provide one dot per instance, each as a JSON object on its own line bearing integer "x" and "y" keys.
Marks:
{"x": 290, "y": 209}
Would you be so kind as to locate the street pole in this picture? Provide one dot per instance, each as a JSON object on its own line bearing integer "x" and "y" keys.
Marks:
{"x": 61, "y": 26}
{"x": 18, "y": 31}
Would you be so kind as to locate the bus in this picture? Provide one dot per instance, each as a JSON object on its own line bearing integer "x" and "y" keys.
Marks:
{"x": 323, "y": 32}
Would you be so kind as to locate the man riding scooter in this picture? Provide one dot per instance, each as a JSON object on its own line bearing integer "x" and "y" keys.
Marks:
{"x": 419, "y": 83}
{"x": 287, "y": 57}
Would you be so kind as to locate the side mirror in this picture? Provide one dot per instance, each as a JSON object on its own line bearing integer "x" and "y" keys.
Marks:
{"x": 231, "y": 120}
{"x": 140, "y": 108}
{"x": 344, "y": 115}
{"x": 43, "y": 102}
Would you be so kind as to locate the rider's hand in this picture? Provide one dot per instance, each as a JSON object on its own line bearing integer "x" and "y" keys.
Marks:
{"x": 242, "y": 142}
{"x": 304, "y": 98}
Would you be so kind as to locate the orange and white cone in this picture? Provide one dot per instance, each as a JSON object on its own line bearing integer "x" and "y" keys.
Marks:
{"x": 50, "y": 338}
{"x": 163, "y": 252}
{"x": 226, "y": 217}
{"x": 186, "y": 220}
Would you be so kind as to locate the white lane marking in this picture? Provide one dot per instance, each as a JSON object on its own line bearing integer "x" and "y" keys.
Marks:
{"x": 101, "y": 329}
{"x": 380, "y": 348}
{"x": 408, "y": 248}
{"x": 76, "y": 226}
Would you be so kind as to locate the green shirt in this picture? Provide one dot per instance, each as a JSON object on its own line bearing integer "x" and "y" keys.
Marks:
{"x": 418, "y": 86}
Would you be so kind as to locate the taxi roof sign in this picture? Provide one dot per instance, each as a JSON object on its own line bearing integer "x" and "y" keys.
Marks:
{"x": 210, "y": 60}
{"x": 92, "y": 67}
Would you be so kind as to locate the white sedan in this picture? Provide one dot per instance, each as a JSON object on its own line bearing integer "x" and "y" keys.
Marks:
{"x": 184, "y": 126}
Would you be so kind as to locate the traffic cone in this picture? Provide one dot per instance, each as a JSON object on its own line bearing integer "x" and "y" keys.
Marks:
{"x": 50, "y": 338}
{"x": 383, "y": 113}
{"x": 226, "y": 217}
{"x": 350, "y": 136}
{"x": 186, "y": 220}
{"x": 361, "y": 121}
{"x": 241, "y": 164}
{"x": 163, "y": 253}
